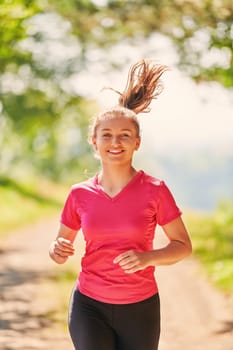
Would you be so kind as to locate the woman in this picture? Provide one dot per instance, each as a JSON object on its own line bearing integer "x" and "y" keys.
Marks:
{"x": 115, "y": 303}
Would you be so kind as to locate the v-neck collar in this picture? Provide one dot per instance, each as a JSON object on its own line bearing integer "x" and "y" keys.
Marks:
{"x": 119, "y": 194}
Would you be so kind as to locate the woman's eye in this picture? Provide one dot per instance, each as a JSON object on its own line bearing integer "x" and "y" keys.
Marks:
{"x": 125, "y": 135}
{"x": 106, "y": 135}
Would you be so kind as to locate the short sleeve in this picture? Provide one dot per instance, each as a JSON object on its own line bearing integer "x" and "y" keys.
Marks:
{"x": 69, "y": 215}
{"x": 167, "y": 209}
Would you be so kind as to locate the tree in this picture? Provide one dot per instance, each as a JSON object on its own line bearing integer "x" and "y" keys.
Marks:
{"x": 37, "y": 112}
{"x": 12, "y": 16}
{"x": 201, "y": 30}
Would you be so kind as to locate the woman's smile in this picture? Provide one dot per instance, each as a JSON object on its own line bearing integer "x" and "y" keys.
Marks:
{"x": 115, "y": 152}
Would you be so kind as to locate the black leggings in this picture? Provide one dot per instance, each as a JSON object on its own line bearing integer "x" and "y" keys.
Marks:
{"x": 94, "y": 325}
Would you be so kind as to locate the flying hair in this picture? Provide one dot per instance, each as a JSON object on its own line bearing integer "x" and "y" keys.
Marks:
{"x": 142, "y": 86}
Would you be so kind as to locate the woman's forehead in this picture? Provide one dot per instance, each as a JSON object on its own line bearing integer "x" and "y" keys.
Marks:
{"x": 117, "y": 122}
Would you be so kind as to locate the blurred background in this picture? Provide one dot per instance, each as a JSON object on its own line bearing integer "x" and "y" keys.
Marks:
{"x": 56, "y": 57}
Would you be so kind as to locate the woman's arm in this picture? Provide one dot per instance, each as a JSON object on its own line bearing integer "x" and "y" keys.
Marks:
{"x": 62, "y": 247}
{"x": 177, "y": 249}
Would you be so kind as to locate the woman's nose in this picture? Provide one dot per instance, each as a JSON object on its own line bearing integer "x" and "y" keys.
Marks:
{"x": 115, "y": 140}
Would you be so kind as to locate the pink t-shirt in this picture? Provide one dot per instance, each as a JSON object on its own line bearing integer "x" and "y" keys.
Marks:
{"x": 112, "y": 226}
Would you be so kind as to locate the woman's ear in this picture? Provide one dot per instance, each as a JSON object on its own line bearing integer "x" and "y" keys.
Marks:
{"x": 138, "y": 142}
{"x": 93, "y": 141}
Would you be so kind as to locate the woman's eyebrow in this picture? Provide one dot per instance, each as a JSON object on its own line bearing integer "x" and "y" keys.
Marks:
{"x": 108, "y": 129}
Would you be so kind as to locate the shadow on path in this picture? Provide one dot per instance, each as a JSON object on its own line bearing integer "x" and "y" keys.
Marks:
{"x": 24, "y": 261}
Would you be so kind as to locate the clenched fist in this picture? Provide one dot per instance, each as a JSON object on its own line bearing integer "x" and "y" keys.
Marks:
{"x": 61, "y": 249}
{"x": 132, "y": 261}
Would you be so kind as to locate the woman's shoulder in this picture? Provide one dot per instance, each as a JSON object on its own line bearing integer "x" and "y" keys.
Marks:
{"x": 152, "y": 180}
{"x": 159, "y": 189}
{"x": 87, "y": 184}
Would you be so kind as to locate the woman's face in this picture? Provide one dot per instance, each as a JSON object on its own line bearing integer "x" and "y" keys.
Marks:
{"x": 116, "y": 140}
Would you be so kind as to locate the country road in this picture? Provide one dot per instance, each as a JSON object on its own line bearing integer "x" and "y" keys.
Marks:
{"x": 195, "y": 316}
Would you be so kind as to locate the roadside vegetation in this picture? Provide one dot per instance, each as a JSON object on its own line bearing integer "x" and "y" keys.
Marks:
{"x": 25, "y": 202}
{"x": 212, "y": 237}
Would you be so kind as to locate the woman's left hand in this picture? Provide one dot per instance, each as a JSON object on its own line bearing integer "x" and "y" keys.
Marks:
{"x": 131, "y": 261}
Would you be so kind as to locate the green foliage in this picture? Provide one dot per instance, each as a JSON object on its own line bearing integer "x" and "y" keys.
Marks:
{"x": 49, "y": 135}
{"x": 212, "y": 237}
{"x": 24, "y": 191}
{"x": 204, "y": 38}
{"x": 43, "y": 125}
{"x": 200, "y": 29}
{"x": 12, "y": 15}
{"x": 25, "y": 202}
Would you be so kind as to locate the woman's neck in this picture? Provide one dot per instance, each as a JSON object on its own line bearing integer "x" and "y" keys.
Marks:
{"x": 114, "y": 179}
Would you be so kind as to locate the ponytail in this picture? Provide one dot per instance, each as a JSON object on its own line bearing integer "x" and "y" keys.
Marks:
{"x": 143, "y": 85}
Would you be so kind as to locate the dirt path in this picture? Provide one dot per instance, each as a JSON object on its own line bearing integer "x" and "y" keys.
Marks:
{"x": 194, "y": 315}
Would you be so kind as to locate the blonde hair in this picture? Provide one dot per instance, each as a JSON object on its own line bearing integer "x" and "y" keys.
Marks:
{"x": 143, "y": 85}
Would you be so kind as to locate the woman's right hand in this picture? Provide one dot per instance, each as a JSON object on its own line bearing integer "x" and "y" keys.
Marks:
{"x": 61, "y": 249}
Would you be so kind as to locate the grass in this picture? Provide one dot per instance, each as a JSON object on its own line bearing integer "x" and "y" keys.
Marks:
{"x": 212, "y": 237}
{"x": 25, "y": 202}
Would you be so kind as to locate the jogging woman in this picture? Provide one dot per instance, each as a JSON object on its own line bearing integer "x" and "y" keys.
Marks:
{"x": 115, "y": 303}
